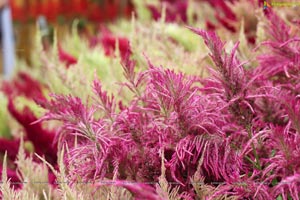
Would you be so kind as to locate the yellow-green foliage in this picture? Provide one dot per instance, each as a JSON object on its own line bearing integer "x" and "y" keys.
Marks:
{"x": 169, "y": 45}
{"x": 164, "y": 189}
{"x": 34, "y": 180}
{"x": 34, "y": 175}
{"x": 4, "y": 127}
{"x": 175, "y": 47}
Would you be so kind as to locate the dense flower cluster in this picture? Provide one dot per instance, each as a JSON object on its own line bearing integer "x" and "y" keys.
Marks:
{"x": 166, "y": 134}
{"x": 238, "y": 129}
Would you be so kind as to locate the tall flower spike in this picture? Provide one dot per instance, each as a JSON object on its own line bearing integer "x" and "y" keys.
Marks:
{"x": 69, "y": 110}
{"x": 104, "y": 102}
{"x": 231, "y": 82}
{"x": 282, "y": 61}
{"x": 278, "y": 29}
{"x": 215, "y": 45}
{"x": 230, "y": 71}
{"x": 134, "y": 80}
{"x": 92, "y": 143}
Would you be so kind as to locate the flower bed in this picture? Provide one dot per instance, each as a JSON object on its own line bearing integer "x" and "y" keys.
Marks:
{"x": 158, "y": 110}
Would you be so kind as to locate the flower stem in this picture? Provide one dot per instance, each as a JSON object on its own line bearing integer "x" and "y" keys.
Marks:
{"x": 250, "y": 135}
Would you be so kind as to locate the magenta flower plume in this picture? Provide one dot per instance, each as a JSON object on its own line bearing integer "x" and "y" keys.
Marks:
{"x": 87, "y": 157}
{"x": 175, "y": 10}
{"x": 238, "y": 129}
{"x": 282, "y": 60}
{"x": 231, "y": 82}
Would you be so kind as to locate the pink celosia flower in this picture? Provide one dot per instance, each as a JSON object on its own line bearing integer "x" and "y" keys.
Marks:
{"x": 238, "y": 128}
{"x": 282, "y": 61}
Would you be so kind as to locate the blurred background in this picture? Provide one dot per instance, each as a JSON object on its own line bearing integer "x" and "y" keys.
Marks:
{"x": 23, "y": 17}
{"x": 54, "y": 19}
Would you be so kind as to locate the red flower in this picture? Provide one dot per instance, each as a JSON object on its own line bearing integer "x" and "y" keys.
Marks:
{"x": 11, "y": 146}
{"x": 23, "y": 85}
{"x": 41, "y": 138}
{"x": 175, "y": 10}
{"x": 109, "y": 43}
{"x": 65, "y": 57}
{"x": 18, "y": 10}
